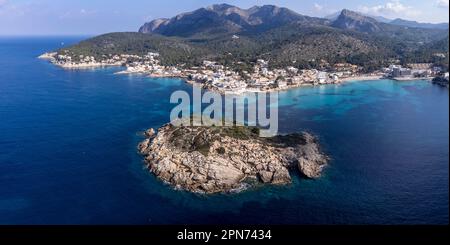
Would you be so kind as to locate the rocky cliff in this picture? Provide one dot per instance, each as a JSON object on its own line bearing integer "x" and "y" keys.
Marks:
{"x": 225, "y": 159}
{"x": 350, "y": 20}
{"x": 226, "y": 19}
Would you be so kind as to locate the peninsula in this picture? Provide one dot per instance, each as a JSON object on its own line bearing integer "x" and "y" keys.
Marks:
{"x": 232, "y": 50}
{"x": 211, "y": 75}
{"x": 228, "y": 159}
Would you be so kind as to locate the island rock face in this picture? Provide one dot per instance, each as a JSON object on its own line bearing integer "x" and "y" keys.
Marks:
{"x": 227, "y": 159}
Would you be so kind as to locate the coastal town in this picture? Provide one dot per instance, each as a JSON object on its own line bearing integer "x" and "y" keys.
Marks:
{"x": 213, "y": 76}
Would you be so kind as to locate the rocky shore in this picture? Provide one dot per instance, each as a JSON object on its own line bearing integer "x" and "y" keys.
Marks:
{"x": 210, "y": 76}
{"x": 68, "y": 62}
{"x": 441, "y": 81}
{"x": 227, "y": 159}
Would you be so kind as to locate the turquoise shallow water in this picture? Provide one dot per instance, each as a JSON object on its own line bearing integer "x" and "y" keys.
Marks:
{"x": 68, "y": 150}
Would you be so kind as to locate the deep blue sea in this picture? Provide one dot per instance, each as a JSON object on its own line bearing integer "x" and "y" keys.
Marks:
{"x": 68, "y": 150}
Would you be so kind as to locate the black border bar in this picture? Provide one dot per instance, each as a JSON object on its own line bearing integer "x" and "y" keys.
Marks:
{"x": 278, "y": 232}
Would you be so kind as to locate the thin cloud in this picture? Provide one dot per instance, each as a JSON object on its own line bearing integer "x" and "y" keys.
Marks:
{"x": 77, "y": 14}
{"x": 323, "y": 9}
{"x": 442, "y": 4}
{"x": 318, "y": 7}
{"x": 393, "y": 8}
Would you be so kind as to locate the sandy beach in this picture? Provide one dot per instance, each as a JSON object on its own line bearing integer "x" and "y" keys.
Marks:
{"x": 361, "y": 78}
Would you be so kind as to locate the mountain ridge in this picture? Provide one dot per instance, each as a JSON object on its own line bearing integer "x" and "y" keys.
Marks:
{"x": 411, "y": 23}
{"x": 225, "y": 19}
{"x": 237, "y": 37}
{"x": 396, "y": 21}
{"x": 351, "y": 20}
{"x": 229, "y": 18}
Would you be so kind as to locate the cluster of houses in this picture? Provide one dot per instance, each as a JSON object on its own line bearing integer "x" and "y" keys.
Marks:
{"x": 412, "y": 71}
{"x": 67, "y": 60}
{"x": 149, "y": 64}
{"x": 217, "y": 77}
{"x": 214, "y": 76}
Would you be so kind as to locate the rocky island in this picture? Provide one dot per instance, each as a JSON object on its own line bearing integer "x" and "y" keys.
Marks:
{"x": 228, "y": 159}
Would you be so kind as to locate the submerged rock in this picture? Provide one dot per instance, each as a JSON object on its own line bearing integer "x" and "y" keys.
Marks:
{"x": 224, "y": 159}
{"x": 150, "y": 133}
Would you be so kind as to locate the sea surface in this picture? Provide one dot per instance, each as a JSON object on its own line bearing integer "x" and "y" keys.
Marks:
{"x": 68, "y": 150}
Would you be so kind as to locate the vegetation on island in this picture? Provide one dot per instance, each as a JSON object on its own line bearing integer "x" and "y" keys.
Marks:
{"x": 210, "y": 159}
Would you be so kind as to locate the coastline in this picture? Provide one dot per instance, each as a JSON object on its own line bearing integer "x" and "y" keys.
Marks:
{"x": 223, "y": 92}
{"x": 52, "y": 57}
{"x": 87, "y": 66}
{"x": 405, "y": 79}
{"x": 208, "y": 160}
{"x": 105, "y": 178}
{"x": 361, "y": 78}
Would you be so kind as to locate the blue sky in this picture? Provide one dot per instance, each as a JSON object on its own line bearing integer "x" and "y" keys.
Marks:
{"x": 70, "y": 17}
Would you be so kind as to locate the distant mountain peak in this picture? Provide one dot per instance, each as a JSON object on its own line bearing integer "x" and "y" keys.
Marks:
{"x": 335, "y": 15}
{"x": 415, "y": 24}
{"x": 355, "y": 15}
{"x": 348, "y": 12}
{"x": 226, "y": 20}
{"x": 220, "y": 7}
{"x": 269, "y": 6}
{"x": 352, "y": 20}
{"x": 381, "y": 19}
{"x": 223, "y": 19}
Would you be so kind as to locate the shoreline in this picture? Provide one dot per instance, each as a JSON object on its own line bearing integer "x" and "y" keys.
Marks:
{"x": 50, "y": 56}
{"x": 209, "y": 160}
{"x": 192, "y": 83}
{"x": 361, "y": 78}
{"x": 88, "y": 66}
{"x": 406, "y": 79}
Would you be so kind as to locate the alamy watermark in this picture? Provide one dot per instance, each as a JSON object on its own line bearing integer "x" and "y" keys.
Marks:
{"x": 258, "y": 109}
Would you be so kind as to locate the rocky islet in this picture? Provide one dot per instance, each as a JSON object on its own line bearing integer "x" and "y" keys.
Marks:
{"x": 226, "y": 159}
